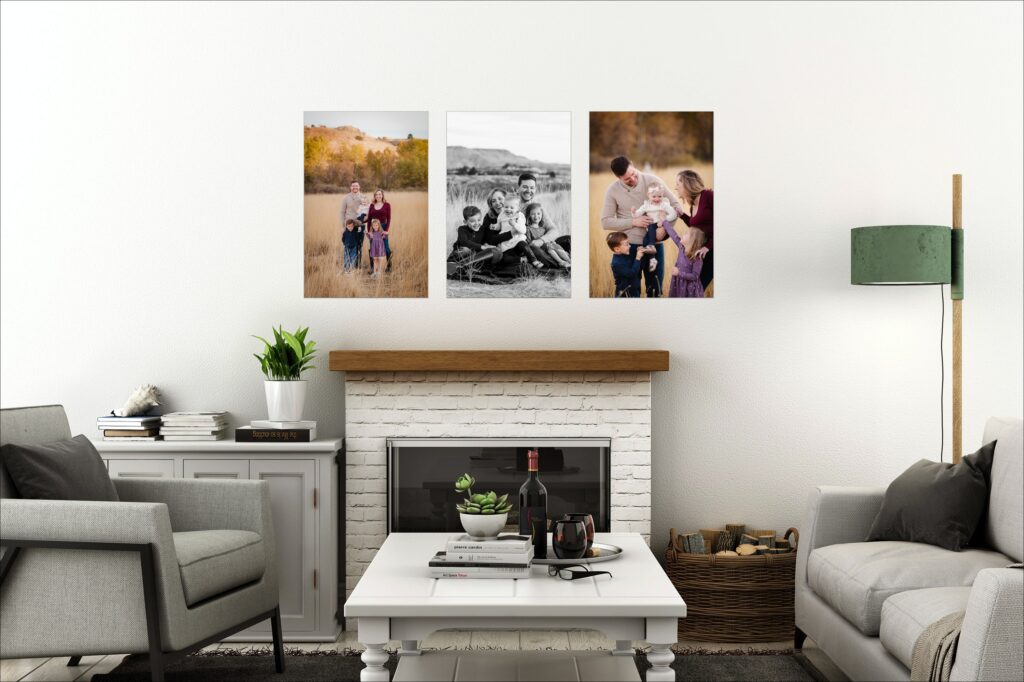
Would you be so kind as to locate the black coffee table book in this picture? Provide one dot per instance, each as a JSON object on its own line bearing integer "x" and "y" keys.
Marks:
{"x": 247, "y": 434}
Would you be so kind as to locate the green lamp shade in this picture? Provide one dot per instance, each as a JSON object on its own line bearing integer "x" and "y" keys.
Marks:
{"x": 901, "y": 254}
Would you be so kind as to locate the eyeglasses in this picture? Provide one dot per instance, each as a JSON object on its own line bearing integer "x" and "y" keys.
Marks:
{"x": 567, "y": 572}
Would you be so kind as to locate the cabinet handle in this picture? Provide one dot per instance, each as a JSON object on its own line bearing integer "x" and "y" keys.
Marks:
{"x": 314, "y": 578}
{"x": 316, "y": 497}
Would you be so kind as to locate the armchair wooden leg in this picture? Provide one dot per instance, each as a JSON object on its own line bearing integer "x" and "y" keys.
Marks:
{"x": 73, "y": 661}
{"x": 156, "y": 649}
{"x": 275, "y": 628}
{"x": 798, "y": 638}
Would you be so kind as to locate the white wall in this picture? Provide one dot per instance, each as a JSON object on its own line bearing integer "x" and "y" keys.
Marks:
{"x": 152, "y": 213}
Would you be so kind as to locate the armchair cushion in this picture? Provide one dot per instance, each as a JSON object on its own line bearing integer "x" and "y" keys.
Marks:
{"x": 908, "y": 614}
{"x": 60, "y": 470}
{"x": 856, "y": 578}
{"x": 214, "y": 561}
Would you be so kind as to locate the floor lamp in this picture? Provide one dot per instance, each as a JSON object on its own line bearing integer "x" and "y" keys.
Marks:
{"x": 919, "y": 254}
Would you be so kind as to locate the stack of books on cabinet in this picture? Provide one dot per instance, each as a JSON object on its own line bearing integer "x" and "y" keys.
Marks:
{"x": 507, "y": 556}
{"x": 200, "y": 426}
{"x": 269, "y": 431}
{"x": 129, "y": 428}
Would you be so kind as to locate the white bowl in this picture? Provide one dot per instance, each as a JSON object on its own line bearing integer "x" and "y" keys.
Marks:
{"x": 483, "y": 526}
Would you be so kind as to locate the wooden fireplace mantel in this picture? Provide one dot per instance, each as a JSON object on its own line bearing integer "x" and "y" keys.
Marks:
{"x": 499, "y": 360}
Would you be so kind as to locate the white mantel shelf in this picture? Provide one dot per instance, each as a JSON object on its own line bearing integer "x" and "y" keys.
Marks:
{"x": 626, "y": 360}
{"x": 208, "y": 446}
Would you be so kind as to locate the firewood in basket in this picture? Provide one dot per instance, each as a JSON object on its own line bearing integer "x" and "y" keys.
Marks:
{"x": 747, "y": 539}
{"x": 726, "y": 541}
{"x": 762, "y": 549}
{"x": 779, "y": 550}
{"x": 782, "y": 543}
{"x": 693, "y": 543}
{"x": 766, "y": 540}
{"x": 746, "y": 550}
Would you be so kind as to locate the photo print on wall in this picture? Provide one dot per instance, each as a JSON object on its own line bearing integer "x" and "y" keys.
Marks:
{"x": 651, "y": 204}
{"x": 365, "y": 204}
{"x": 507, "y": 215}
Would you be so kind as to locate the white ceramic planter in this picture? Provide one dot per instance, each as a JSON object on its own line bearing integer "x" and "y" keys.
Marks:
{"x": 285, "y": 400}
{"x": 483, "y": 526}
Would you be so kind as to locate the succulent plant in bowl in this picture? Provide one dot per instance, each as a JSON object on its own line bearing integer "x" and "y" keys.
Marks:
{"x": 483, "y": 515}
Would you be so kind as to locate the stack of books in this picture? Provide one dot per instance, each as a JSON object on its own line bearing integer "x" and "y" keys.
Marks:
{"x": 508, "y": 556}
{"x": 129, "y": 428}
{"x": 267, "y": 431}
{"x": 178, "y": 426}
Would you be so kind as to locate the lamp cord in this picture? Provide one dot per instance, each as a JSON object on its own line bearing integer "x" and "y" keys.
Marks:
{"x": 942, "y": 379}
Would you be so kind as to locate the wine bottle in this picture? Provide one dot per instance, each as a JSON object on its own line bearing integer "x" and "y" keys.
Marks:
{"x": 533, "y": 507}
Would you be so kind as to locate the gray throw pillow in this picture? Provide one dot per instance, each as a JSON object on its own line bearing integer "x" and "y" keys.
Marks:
{"x": 936, "y": 503}
{"x": 63, "y": 470}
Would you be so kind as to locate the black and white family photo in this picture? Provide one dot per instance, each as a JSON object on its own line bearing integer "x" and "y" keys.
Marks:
{"x": 651, "y": 204}
{"x": 508, "y": 218}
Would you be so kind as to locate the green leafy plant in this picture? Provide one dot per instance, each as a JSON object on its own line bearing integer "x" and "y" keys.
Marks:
{"x": 288, "y": 357}
{"x": 480, "y": 503}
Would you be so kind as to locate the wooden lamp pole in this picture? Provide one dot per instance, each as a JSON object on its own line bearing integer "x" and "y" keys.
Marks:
{"x": 957, "y": 322}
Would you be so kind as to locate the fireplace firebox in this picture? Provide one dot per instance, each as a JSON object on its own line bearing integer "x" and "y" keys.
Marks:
{"x": 422, "y": 471}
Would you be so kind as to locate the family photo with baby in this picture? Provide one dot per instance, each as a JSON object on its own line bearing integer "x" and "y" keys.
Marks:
{"x": 508, "y": 218}
{"x": 651, "y": 205}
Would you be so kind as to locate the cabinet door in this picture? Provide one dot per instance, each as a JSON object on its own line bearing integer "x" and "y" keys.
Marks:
{"x": 217, "y": 468}
{"x": 141, "y": 468}
{"x": 292, "y": 485}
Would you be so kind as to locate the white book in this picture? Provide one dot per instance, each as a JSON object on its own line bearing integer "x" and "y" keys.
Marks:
{"x": 505, "y": 544}
{"x": 190, "y": 430}
{"x": 269, "y": 424}
{"x": 218, "y": 436}
{"x": 196, "y": 415}
{"x": 486, "y": 557}
{"x": 121, "y": 439}
{"x": 479, "y": 572}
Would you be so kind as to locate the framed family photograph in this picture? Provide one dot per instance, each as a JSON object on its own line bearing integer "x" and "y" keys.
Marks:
{"x": 365, "y": 204}
{"x": 507, "y": 217}
{"x": 652, "y": 204}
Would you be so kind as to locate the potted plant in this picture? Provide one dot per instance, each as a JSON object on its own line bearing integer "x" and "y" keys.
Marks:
{"x": 282, "y": 363}
{"x": 483, "y": 515}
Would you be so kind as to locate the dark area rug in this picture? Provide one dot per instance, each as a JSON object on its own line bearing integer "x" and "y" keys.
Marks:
{"x": 343, "y": 666}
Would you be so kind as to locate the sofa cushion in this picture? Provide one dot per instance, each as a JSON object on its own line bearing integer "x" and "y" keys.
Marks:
{"x": 856, "y": 578}
{"x": 215, "y": 561}
{"x": 1004, "y": 521}
{"x": 907, "y": 614}
{"x": 936, "y": 502}
{"x": 60, "y": 470}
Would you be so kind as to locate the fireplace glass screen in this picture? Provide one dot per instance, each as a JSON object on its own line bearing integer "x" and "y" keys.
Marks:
{"x": 422, "y": 473}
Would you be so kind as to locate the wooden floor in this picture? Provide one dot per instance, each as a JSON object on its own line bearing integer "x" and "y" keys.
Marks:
{"x": 55, "y": 669}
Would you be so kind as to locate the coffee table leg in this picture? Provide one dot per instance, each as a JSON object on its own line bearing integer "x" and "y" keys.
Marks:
{"x": 374, "y": 658}
{"x": 661, "y": 657}
{"x": 410, "y": 647}
{"x": 623, "y": 647}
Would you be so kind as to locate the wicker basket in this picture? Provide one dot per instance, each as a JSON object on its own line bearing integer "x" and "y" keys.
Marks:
{"x": 734, "y": 598}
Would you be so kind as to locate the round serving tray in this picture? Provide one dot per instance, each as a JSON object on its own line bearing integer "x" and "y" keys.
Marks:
{"x": 607, "y": 553}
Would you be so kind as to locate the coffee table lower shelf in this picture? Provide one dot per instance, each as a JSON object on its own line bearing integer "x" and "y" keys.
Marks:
{"x": 516, "y": 666}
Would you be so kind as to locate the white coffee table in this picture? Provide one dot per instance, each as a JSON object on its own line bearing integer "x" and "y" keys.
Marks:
{"x": 396, "y": 599}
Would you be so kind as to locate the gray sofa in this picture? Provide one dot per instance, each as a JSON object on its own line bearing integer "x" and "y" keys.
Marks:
{"x": 174, "y": 566}
{"x": 866, "y": 603}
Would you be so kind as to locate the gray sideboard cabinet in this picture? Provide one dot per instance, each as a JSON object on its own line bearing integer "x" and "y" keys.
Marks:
{"x": 304, "y": 495}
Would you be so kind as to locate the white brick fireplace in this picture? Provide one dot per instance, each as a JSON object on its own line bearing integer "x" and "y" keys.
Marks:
{"x": 380, "y": 405}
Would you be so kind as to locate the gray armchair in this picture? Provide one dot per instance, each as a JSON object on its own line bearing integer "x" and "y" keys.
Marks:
{"x": 174, "y": 566}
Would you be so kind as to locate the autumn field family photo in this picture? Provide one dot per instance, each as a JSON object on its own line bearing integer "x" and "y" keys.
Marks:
{"x": 365, "y": 204}
{"x": 507, "y": 214}
{"x": 651, "y": 204}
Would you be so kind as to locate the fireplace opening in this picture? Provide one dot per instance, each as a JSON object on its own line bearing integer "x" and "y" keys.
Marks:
{"x": 422, "y": 472}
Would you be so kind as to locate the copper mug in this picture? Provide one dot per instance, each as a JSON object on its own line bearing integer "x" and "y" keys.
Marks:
{"x": 569, "y": 538}
{"x": 588, "y": 521}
